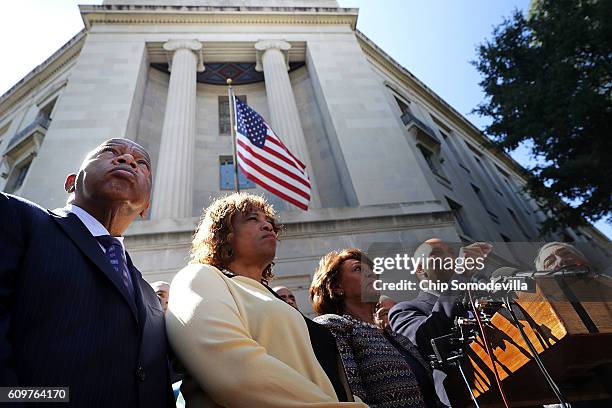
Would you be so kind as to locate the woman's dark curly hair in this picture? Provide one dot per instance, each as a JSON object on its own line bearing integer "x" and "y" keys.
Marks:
{"x": 210, "y": 244}
{"x": 321, "y": 291}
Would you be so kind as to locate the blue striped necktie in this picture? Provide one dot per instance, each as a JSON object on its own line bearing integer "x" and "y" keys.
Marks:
{"x": 114, "y": 253}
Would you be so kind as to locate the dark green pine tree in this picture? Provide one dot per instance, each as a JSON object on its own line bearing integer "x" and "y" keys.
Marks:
{"x": 548, "y": 79}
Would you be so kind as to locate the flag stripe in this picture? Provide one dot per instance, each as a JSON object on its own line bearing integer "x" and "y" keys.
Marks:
{"x": 273, "y": 177}
{"x": 280, "y": 154}
{"x": 265, "y": 160}
{"x": 297, "y": 177}
{"x": 278, "y": 147}
{"x": 273, "y": 172}
{"x": 262, "y": 180}
{"x": 297, "y": 201}
{"x": 277, "y": 141}
{"x": 282, "y": 174}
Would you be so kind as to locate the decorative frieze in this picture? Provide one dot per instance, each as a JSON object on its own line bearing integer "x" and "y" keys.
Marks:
{"x": 218, "y": 15}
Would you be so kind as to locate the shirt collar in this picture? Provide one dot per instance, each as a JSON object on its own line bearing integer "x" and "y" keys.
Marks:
{"x": 94, "y": 226}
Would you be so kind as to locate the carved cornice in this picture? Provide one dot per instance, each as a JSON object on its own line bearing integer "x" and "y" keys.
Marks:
{"x": 51, "y": 66}
{"x": 376, "y": 55}
{"x": 109, "y": 14}
{"x": 314, "y": 221}
{"x": 159, "y": 239}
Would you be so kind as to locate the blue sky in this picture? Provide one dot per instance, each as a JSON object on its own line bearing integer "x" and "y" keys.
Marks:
{"x": 434, "y": 39}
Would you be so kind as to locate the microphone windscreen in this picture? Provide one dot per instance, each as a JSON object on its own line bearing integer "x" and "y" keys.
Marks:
{"x": 504, "y": 271}
{"x": 480, "y": 277}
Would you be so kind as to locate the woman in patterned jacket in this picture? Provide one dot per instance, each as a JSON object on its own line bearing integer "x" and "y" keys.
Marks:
{"x": 383, "y": 368}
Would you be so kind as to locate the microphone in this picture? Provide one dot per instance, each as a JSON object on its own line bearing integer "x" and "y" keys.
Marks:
{"x": 510, "y": 274}
{"x": 503, "y": 271}
{"x": 504, "y": 275}
{"x": 496, "y": 275}
{"x": 566, "y": 270}
{"x": 480, "y": 277}
{"x": 576, "y": 269}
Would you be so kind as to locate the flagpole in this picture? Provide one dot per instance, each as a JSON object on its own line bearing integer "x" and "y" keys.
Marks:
{"x": 230, "y": 95}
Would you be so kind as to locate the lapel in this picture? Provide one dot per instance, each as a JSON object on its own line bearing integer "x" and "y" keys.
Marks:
{"x": 428, "y": 298}
{"x": 138, "y": 295}
{"x": 82, "y": 238}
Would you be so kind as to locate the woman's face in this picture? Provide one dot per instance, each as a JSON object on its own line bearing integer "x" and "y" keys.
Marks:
{"x": 356, "y": 278}
{"x": 253, "y": 238}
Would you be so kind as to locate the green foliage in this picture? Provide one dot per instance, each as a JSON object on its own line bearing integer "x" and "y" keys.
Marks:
{"x": 548, "y": 80}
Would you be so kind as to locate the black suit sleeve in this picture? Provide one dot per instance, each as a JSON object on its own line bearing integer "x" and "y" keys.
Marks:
{"x": 12, "y": 248}
{"x": 418, "y": 321}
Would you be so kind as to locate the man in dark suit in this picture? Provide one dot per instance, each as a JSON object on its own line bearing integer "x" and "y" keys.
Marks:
{"x": 74, "y": 311}
{"x": 432, "y": 313}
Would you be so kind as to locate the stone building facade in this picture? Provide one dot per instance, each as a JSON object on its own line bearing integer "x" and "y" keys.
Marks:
{"x": 389, "y": 160}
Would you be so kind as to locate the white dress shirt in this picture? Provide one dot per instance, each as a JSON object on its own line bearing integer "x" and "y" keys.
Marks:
{"x": 94, "y": 226}
{"x": 97, "y": 229}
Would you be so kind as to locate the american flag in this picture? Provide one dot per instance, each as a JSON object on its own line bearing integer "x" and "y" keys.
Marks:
{"x": 265, "y": 160}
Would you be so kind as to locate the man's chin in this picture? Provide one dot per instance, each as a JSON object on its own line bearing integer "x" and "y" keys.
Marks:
{"x": 121, "y": 198}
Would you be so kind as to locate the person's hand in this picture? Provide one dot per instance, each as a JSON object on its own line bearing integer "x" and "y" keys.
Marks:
{"x": 381, "y": 314}
{"x": 477, "y": 249}
{"x": 474, "y": 251}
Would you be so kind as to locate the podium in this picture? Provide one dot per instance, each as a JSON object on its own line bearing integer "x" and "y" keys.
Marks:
{"x": 569, "y": 322}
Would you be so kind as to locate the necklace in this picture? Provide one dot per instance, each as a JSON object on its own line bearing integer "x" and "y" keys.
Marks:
{"x": 361, "y": 322}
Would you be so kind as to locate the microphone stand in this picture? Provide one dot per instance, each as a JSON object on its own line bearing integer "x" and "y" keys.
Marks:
{"x": 464, "y": 330}
{"x": 581, "y": 271}
{"x": 551, "y": 382}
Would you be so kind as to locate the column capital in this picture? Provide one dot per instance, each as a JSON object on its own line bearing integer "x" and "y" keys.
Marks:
{"x": 262, "y": 46}
{"x": 171, "y": 46}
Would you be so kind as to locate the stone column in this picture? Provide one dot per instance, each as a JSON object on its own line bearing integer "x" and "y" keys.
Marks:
{"x": 173, "y": 191}
{"x": 272, "y": 59}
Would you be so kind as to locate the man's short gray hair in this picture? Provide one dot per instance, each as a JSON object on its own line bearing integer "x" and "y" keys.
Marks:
{"x": 539, "y": 261}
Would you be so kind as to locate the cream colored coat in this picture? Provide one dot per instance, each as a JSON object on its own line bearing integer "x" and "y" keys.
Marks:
{"x": 241, "y": 346}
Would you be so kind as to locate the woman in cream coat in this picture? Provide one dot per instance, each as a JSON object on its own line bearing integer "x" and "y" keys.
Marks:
{"x": 240, "y": 344}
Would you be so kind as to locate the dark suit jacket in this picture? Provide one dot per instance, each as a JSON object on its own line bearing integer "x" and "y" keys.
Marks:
{"x": 66, "y": 318}
{"x": 424, "y": 318}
